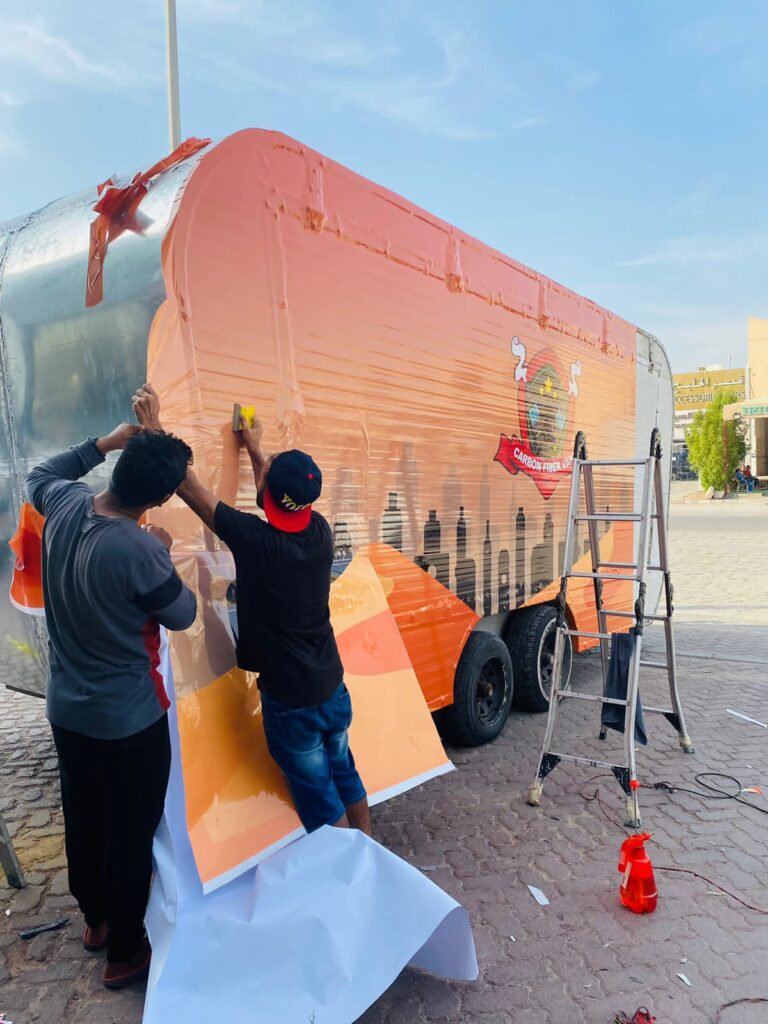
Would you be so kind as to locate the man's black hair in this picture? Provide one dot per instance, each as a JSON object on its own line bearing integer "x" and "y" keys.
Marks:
{"x": 151, "y": 466}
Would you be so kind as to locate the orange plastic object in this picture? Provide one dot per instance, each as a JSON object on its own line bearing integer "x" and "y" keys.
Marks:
{"x": 117, "y": 210}
{"x": 26, "y": 544}
{"x": 638, "y": 889}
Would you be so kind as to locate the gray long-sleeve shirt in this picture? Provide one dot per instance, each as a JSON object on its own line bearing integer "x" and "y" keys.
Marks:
{"x": 108, "y": 586}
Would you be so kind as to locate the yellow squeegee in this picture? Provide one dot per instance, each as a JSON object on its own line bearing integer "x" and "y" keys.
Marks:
{"x": 248, "y": 413}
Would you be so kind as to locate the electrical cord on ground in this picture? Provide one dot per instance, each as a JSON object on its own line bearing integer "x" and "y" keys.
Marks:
{"x": 716, "y": 794}
{"x": 738, "y": 1002}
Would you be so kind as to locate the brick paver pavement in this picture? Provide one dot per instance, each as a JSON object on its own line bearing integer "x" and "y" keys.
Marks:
{"x": 583, "y": 957}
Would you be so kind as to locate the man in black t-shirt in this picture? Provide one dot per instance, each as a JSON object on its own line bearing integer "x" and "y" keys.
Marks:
{"x": 283, "y": 575}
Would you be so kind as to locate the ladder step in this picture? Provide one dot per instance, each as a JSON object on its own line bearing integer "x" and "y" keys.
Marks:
{"x": 591, "y": 696}
{"x": 591, "y": 762}
{"x": 628, "y": 565}
{"x": 609, "y": 517}
{"x": 608, "y": 612}
{"x": 613, "y": 462}
{"x": 591, "y": 636}
{"x": 653, "y": 664}
{"x": 657, "y": 711}
{"x": 631, "y": 615}
{"x": 600, "y": 576}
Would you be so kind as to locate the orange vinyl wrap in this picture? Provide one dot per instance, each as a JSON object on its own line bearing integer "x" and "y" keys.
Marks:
{"x": 437, "y": 383}
{"x": 26, "y": 544}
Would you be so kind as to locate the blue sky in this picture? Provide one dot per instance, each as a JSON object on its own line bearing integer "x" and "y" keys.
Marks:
{"x": 619, "y": 147}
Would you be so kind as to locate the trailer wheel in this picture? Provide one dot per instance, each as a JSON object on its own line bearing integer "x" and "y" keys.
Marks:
{"x": 482, "y": 692}
{"x": 530, "y": 637}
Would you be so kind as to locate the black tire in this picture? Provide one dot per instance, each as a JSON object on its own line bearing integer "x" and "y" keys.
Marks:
{"x": 530, "y": 637}
{"x": 482, "y": 692}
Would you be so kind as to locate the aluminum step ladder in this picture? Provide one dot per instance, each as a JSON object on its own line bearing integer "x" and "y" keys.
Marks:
{"x": 651, "y": 510}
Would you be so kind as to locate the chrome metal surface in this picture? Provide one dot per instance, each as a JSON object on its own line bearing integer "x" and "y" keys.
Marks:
{"x": 57, "y": 356}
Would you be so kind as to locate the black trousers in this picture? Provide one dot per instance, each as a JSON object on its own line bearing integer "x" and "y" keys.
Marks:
{"x": 113, "y": 792}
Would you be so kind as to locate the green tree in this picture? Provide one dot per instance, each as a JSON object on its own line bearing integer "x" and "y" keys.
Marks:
{"x": 706, "y": 444}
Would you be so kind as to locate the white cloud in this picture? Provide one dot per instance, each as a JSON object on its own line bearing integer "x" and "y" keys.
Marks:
{"x": 30, "y": 45}
{"x": 702, "y": 249}
{"x": 298, "y": 30}
{"x": 8, "y": 99}
{"x": 426, "y": 78}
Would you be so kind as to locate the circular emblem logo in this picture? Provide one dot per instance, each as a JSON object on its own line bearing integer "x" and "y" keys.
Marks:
{"x": 545, "y": 412}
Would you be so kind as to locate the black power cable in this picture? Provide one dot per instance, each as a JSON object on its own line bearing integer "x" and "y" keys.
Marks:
{"x": 715, "y": 792}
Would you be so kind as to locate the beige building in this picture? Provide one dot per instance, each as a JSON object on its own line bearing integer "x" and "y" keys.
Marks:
{"x": 695, "y": 391}
{"x": 753, "y": 408}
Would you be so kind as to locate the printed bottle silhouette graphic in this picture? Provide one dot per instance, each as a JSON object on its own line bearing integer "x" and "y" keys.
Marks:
{"x": 451, "y": 498}
{"x": 347, "y": 505}
{"x": 392, "y": 524}
{"x": 520, "y": 557}
{"x": 461, "y": 535}
{"x": 347, "y": 491}
{"x": 409, "y": 472}
{"x": 487, "y": 569}
{"x": 432, "y": 534}
{"x": 542, "y": 558}
{"x": 465, "y": 567}
{"x": 485, "y": 496}
{"x": 504, "y": 587}
{"x": 342, "y": 549}
{"x": 342, "y": 542}
{"x": 435, "y": 561}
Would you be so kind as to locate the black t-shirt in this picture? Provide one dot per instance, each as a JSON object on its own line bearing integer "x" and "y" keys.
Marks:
{"x": 283, "y": 620}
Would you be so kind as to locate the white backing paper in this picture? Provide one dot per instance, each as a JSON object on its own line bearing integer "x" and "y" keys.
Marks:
{"x": 313, "y": 934}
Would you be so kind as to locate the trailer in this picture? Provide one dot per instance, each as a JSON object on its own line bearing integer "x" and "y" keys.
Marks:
{"x": 437, "y": 382}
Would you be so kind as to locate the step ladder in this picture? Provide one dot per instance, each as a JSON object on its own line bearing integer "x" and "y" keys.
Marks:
{"x": 651, "y": 510}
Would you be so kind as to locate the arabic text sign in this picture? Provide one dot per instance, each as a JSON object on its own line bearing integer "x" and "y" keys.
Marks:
{"x": 698, "y": 390}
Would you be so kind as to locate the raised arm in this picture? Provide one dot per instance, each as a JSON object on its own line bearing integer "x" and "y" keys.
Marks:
{"x": 252, "y": 444}
{"x": 146, "y": 406}
{"x": 202, "y": 501}
{"x": 52, "y": 477}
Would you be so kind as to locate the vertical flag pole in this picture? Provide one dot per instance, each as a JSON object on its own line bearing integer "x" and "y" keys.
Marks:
{"x": 172, "y": 55}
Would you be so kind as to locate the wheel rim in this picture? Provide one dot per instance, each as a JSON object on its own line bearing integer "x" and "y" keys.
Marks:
{"x": 546, "y": 663}
{"x": 491, "y": 693}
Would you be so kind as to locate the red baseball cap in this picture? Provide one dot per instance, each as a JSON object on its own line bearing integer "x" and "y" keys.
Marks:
{"x": 293, "y": 483}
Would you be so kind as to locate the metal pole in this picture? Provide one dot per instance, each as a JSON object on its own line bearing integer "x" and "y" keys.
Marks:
{"x": 172, "y": 62}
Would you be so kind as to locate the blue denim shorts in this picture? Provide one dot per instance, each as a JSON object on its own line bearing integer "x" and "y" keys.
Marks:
{"x": 311, "y": 748}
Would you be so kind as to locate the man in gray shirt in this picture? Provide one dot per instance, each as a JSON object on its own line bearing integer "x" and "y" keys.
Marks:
{"x": 108, "y": 587}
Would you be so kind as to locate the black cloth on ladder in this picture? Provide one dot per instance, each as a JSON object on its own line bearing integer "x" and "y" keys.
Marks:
{"x": 622, "y": 647}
